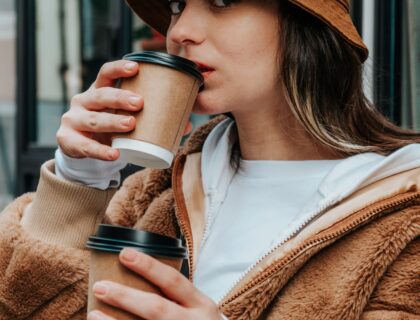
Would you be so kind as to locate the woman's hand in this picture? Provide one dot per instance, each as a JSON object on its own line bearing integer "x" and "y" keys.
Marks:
{"x": 85, "y": 129}
{"x": 185, "y": 301}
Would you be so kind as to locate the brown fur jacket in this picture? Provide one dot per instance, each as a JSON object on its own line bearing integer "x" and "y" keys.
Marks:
{"x": 360, "y": 260}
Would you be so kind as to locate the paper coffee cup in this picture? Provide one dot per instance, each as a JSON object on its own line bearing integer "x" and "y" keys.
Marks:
{"x": 169, "y": 85}
{"x": 104, "y": 263}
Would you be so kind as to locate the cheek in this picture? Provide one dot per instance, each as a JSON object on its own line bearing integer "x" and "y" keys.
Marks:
{"x": 249, "y": 68}
{"x": 253, "y": 37}
{"x": 254, "y": 79}
{"x": 242, "y": 85}
{"x": 253, "y": 60}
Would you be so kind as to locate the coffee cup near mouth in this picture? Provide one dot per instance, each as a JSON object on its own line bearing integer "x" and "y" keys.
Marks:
{"x": 105, "y": 247}
{"x": 169, "y": 85}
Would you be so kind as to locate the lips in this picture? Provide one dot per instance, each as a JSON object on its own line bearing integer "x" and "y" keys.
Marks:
{"x": 203, "y": 68}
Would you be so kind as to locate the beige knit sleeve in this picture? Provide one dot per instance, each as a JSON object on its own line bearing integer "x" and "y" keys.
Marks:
{"x": 43, "y": 267}
{"x": 64, "y": 212}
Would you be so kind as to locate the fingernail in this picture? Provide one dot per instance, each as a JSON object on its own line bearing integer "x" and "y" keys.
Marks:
{"x": 96, "y": 315}
{"x": 126, "y": 121}
{"x": 111, "y": 154}
{"x": 129, "y": 255}
{"x": 100, "y": 288}
{"x": 129, "y": 66}
{"x": 134, "y": 101}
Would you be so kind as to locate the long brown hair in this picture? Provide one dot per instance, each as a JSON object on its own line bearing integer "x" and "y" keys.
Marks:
{"x": 323, "y": 79}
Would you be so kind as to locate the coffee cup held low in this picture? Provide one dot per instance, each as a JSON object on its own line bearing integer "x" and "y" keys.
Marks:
{"x": 104, "y": 262}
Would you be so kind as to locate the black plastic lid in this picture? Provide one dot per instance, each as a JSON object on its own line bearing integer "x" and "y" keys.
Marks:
{"x": 106, "y": 241}
{"x": 115, "y": 238}
{"x": 114, "y": 248}
{"x": 141, "y": 237}
{"x": 167, "y": 60}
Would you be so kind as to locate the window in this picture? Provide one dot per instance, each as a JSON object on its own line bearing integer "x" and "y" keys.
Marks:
{"x": 411, "y": 64}
{"x": 61, "y": 46}
{"x": 7, "y": 100}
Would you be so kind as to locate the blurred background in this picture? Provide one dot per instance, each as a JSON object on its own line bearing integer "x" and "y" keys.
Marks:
{"x": 52, "y": 49}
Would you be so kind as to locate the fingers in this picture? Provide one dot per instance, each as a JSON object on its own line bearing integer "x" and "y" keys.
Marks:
{"x": 97, "y": 315}
{"x": 111, "y": 71}
{"x": 92, "y": 121}
{"x": 108, "y": 98}
{"x": 172, "y": 283}
{"x": 77, "y": 145}
{"x": 83, "y": 125}
{"x": 143, "y": 304}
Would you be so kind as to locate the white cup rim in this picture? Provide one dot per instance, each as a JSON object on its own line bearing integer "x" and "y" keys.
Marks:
{"x": 143, "y": 153}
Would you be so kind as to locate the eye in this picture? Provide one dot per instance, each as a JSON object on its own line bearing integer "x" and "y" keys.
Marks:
{"x": 223, "y": 3}
{"x": 176, "y": 7}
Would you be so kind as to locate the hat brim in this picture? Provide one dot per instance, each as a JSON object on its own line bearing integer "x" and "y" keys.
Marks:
{"x": 336, "y": 16}
{"x": 156, "y": 14}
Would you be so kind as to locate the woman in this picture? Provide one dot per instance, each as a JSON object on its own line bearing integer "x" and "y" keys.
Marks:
{"x": 301, "y": 204}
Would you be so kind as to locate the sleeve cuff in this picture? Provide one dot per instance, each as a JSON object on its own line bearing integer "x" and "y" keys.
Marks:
{"x": 93, "y": 173}
{"x": 63, "y": 212}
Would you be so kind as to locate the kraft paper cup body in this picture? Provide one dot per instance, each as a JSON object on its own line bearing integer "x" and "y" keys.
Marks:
{"x": 169, "y": 95}
{"x": 105, "y": 264}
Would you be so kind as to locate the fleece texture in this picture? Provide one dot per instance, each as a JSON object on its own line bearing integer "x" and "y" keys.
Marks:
{"x": 369, "y": 272}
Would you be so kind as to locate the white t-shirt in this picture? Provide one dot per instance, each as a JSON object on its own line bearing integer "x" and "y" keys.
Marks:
{"x": 262, "y": 200}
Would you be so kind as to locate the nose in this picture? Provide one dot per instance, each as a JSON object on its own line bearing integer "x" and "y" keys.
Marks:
{"x": 187, "y": 27}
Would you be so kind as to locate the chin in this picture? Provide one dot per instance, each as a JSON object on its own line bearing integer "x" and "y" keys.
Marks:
{"x": 205, "y": 106}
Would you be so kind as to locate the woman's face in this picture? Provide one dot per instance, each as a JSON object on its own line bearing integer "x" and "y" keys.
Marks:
{"x": 239, "y": 41}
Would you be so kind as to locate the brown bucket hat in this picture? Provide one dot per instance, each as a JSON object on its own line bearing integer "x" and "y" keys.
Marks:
{"x": 335, "y": 13}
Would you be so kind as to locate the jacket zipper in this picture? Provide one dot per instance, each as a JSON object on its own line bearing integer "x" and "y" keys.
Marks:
{"x": 214, "y": 202}
{"x": 208, "y": 221}
{"x": 307, "y": 245}
{"x": 279, "y": 244}
{"x": 181, "y": 210}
